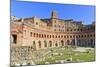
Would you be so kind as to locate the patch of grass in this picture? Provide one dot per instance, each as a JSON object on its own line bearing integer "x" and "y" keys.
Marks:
{"x": 84, "y": 56}
{"x": 66, "y": 54}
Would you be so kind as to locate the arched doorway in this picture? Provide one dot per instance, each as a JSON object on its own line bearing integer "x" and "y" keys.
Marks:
{"x": 68, "y": 42}
{"x": 56, "y": 44}
{"x": 50, "y": 43}
{"x": 92, "y": 45}
{"x": 39, "y": 44}
{"x": 94, "y": 42}
{"x": 85, "y": 43}
{"x": 45, "y": 43}
{"x": 62, "y": 43}
{"x": 79, "y": 42}
{"x": 33, "y": 43}
{"x": 73, "y": 42}
{"x": 14, "y": 38}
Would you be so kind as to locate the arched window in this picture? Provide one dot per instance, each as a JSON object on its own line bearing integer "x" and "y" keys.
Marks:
{"x": 91, "y": 35}
{"x": 94, "y": 35}
{"x": 74, "y": 29}
{"x": 79, "y": 36}
{"x": 50, "y": 36}
{"x": 31, "y": 34}
{"x": 70, "y": 36}
{"x": 82, "y": 35}
{"x": 42, "y": 35}
{"x": 73, "y": 36}
{"x": 55, "y": 21}
{"x": 59, "y": 29}
{"x": 65, "y": 36}
{"x": 37, "y": 35}
{"x": 45, "y": 35}
{"x": 67, "y": 29}
{"x": 77, "y": 29}
{"x": 76, "y": 36}
{"x": 36, "y": 23}
{"x": 53, "y": 36}
{"x": 34, "y": 34}
{"x": 56, "y": 36}
{"x": 61, "y": 36}
{"x": 54, "y": 29}
{"x": 88, "y": 35}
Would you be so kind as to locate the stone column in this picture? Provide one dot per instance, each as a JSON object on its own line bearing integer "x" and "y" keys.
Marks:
{"x": 75, "y": 42}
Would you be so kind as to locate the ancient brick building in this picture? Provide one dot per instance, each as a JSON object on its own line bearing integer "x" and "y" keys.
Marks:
{"x": 51, "y": 32}
{"x": 37, "y": 33}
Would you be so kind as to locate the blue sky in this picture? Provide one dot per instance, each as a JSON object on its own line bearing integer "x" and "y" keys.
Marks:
{"x": 23, "y": 9}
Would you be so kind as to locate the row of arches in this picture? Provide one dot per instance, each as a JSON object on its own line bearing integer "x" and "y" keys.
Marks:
{"x": 86, "y": 42}
{"x": 72, "y": 42}
{"x": 48, "y": 44}
{"x": 38, "y": 35}
{"x": 62, "y": 43}
{"x": 45, "y": 44}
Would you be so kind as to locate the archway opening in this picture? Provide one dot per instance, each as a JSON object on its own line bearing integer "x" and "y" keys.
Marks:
{"x": 62, "y": 43}
{"x": 14, "y": 38}
{"x": 39, "y": 44}
{"x": 68, "y": 42}
{"x": 45, "y": 43}
{"x": 50, "y": 43}
{"x": 56, "y": 45}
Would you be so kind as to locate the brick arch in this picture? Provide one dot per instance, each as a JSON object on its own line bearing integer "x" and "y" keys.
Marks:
{"x": 39, "y": 43}
{"x": 62, "y": 43}
{"x": 14, "y": 38}
{"x": 68, "y": 42}
{"x": 56, "y": 44}
{"x": 45, "y": 43}
{"x": 50, "y": 43}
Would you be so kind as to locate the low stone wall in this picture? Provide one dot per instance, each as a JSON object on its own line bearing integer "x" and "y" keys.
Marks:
{"x": 22, "y": 55}
{"x": 26, "y": 55}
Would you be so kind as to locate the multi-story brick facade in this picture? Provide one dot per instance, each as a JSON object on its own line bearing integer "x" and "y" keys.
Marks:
{"x": 31, "y": 34}
{"x": 51, "y": 32}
